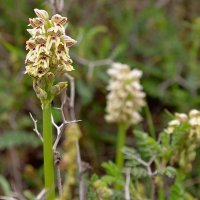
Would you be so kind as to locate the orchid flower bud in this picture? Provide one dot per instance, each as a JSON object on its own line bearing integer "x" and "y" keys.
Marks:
{"x": 58, "y": 19}
{"x": 41, "y": 14}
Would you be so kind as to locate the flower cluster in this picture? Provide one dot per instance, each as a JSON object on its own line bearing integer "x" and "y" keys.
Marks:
{"x": 193, "y": 119}
{"x": 48, "y": 48}
{"x": 126, "y": 97}
{"x": 179, "y": 119}
{"x": 102, "y": 190}
{"x": 185, "y": 153}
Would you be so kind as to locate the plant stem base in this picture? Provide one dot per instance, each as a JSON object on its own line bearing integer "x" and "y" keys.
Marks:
{"x": 49, "y": 177}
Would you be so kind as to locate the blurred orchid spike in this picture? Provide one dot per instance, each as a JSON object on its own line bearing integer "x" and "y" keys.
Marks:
{"x": 126, "y": 96}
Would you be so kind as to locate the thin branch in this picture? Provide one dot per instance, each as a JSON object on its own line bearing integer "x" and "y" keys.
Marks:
{"x": 82, "y": 186}
{"x": 91, "y": 64}
{"x": 95, "y": 63}
{"x": 55, "y": 125}
{"x": 57, "y": 158}
{"x": 73, "y": 121}
{"x": 151, "y": 173}
{"x": 41, "y": 195}
{"x": 7, "y": 198}
{"x": 151, "y": 160}
{"x": 72, "y": 89}
{"x": 35, "y": 127}
{"x": 59, "y": 183}
{"x": 56, "y": 6}
{"x": 142, "y": 162}
{"x": 72, "y": 96}
{"x": 147, "y": 165}
{"x": 59, "y": 130}
{"x": 126, "y": 188}
{"x": 17, "y": 195}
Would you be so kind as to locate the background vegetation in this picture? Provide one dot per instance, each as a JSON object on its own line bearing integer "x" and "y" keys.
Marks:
{"x": 160, "y": 37}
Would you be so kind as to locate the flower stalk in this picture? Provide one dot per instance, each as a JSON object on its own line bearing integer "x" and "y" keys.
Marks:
{"x": 49, "y": 177}
{"x": 121, "y": 138}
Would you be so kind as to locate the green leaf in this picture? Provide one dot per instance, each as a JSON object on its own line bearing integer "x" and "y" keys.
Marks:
{"x": 164, "y": 138}
{"x": 113, "y": 174}
{"x": 131, "y": 155}
{"x": 170, "y": 172}
{"x": 139, "y": 172}
{"x": 180, "y": 135}
{"x": 86, "y": 91}
{"x": 109, "y": 179}
{"x": 111, "y": 169}
{"x": 177, "y": 192}
{"x": 89, "y": 39}
{"x": 29, "y": 195}
{"x": 5, "y": 186}
{"x": 118, "y": 50}
{"x": 147, "y": 146}
{"x": 17, "y": 139}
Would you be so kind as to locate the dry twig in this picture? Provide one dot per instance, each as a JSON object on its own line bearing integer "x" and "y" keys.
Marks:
{"x": 126, "y": 188}
{"x": 35, "y": 127}
{"x": 82, "y": 187}
{"x": 41, "y": 195}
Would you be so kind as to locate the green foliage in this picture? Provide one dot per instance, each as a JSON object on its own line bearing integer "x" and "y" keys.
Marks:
{"x": 29, "y": 195}
{"x": 92, "y": 195}
{"x": 86, "y": 92}
{"x": 156, "y": 160}
{"x": 177, "y": 192}
{"x": 131, "y": 154}
{"x": 147, "y": 146}
{"x": 89, "y": 37}
{"x": 139, "y": 172}
{"x": 170, "y": 171}
{"x": 18, "y": 139}
{"x": 113, "y": 174}
{"x": 111, "y": 183}
{"x": 4, "y": 185}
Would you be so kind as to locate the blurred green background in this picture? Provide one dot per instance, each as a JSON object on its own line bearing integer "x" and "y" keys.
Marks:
{"x": 160, "y": 37}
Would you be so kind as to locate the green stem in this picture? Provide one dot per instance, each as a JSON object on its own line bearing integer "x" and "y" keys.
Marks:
{"x": 48, "y": 152}
{"x": 161, "y": 193}
{"x": 159, "y": 184}
{"x": 120, "y": 143}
